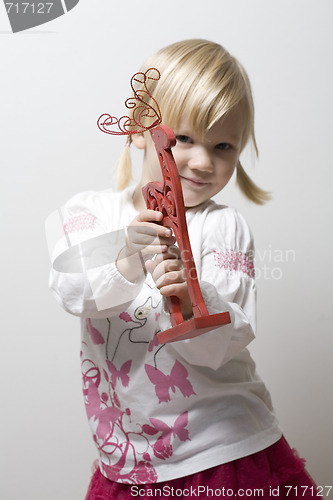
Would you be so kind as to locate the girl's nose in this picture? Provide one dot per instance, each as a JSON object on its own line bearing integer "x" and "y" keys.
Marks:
{"x": 201, "y": 159}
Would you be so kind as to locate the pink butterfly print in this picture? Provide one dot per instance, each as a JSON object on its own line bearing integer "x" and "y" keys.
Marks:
{"x": 178, "y": 429}
{"x": 163, "y": 383}
{"x": 95, "y": 335}
{"x": 121, "y": 374}
{"x": 154, "y": 342}
{"x": 105, "y": 416}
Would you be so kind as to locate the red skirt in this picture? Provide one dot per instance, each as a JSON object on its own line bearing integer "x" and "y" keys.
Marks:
{"x": 275, "y": 472}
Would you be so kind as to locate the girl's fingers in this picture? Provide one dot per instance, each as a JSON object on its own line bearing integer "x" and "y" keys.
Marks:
{"x": 147, "y": 229}
{"x": 148, "y": 240}
{"x": 176, "y": 289}
{"x": 170, "y": 278}
{"x": 151, "y": 250}
{"x": 143, "y": 238}
{"x": 168, "y": 270}
{"x": 173, "y": 253}
{"x": 150, "y": 266}
{"x": 149, "y": 216}
{"x": 146, "y": 222}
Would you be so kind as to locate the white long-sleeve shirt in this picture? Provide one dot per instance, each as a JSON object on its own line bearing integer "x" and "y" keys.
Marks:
{"x": 162, "y": 412}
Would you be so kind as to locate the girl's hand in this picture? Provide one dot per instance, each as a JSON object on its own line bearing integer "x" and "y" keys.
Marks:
{"x": 169, "y": 275}
{"x": 145, "y": 238}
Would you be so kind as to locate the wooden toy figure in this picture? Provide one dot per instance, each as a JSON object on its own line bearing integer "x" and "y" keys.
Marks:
{"x": 167, "y": 197}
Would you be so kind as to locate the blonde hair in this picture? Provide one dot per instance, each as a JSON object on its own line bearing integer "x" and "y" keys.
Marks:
{"x": 201, "y": 80}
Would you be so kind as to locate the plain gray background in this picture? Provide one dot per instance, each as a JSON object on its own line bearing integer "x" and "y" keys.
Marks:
{"x": 55, "y": 81}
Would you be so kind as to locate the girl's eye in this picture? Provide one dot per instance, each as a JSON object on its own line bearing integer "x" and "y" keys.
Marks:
{"x": 184, "y": 139}
{"x": 223, "y": 146}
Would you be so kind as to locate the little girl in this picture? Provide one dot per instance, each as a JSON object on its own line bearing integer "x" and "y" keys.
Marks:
{"x": 189, "y": 418}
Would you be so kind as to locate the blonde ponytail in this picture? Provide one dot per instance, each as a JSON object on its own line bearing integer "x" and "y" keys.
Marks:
{"x": 124, "y": 167}
{"x": 249, "y": 188}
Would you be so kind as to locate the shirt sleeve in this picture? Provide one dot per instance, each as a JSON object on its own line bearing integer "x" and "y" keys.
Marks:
{"x": 84, "y": 277}
{"x": 226, "y": 278}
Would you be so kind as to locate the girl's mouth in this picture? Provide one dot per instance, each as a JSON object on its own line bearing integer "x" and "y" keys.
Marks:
{"x": 194, "y": 182}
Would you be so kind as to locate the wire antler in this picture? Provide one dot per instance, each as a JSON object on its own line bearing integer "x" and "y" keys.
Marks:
{"x": 144, "y": 116}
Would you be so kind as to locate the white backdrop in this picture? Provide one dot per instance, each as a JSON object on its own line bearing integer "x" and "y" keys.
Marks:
{"x": 55, "y": 81}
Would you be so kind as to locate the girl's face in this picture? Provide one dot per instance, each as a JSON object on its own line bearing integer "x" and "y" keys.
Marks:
{"x": 205, "y": 165}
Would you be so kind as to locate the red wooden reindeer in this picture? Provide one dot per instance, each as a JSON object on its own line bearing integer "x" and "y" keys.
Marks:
{"x": 166, "y": 197}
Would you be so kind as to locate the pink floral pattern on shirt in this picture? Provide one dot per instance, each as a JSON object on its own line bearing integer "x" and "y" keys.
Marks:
{"x": 80, "y": 223}
{"x": 234, "y": 261}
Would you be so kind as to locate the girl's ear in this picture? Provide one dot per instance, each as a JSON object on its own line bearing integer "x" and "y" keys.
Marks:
{"x": 139, "y": 141}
